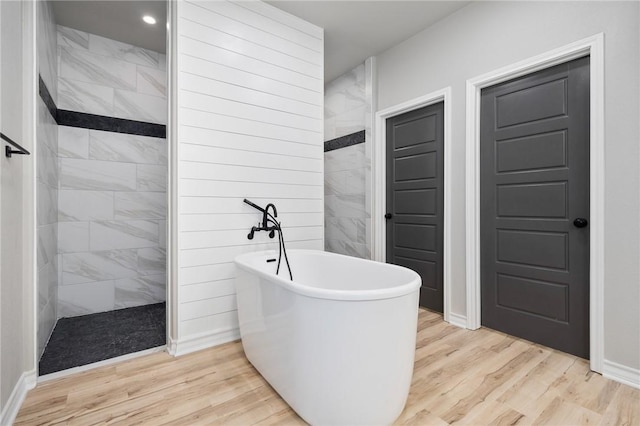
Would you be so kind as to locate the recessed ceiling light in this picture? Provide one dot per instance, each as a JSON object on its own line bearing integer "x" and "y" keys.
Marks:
{"x": 149, "y": 19}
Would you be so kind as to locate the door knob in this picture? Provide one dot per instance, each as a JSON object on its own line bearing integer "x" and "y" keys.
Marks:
{"x": 388, "y": 216}
{"x": 580, "y": 222}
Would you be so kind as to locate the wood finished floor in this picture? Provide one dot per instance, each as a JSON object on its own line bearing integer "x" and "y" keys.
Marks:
{"x": 460, "y": 376}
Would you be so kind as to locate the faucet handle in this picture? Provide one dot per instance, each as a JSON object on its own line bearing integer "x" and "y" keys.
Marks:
{"x": 253, "y": 230}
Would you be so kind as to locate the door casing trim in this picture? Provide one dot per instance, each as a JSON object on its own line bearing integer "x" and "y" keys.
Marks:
{"x": 594, "y": 47}
{"x": 378, "y": 193}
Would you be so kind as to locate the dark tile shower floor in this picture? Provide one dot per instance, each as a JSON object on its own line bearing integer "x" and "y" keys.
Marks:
{"x": 91, "y": 338}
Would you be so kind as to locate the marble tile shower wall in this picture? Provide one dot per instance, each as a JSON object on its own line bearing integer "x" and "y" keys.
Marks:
{"x": 46, "y": 181}
{"x": 345, "y": 169}
{"x": 112, "y": 186}
{"x": 106, "y": 77}
{"x": 345, "y": 104}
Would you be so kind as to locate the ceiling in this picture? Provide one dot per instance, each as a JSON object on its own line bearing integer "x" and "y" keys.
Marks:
{"x": 117, "y": 20}
{"x": 354, "y": 30}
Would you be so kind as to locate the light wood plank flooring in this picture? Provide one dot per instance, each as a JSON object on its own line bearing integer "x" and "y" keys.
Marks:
{"x": 460, "y": 376}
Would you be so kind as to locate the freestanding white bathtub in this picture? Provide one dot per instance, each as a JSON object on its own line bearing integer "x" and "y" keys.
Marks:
{"x": 337, "y": 342}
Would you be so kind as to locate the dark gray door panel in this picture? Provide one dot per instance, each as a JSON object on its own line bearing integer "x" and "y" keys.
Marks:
{"x": 534, "y": 200}
{"x": 541, "y": 151}
{"x": 423, "y": 202}
{"x": 543, "y": 298}
{"x": 415, "y": 198}
{"x": 544, "y": 100}
{"x": 540, "y": 249}
{"x": 534, "y": 181}
{"x": 414, "y": 167}
{"x": 415, "y": 132}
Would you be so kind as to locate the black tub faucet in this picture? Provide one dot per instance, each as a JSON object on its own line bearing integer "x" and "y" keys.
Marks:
{"x": 269, "y": 223}
{"x": 268, "y": 220}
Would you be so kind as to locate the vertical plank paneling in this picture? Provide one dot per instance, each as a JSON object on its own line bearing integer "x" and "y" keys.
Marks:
{"x": 249, "y": 124}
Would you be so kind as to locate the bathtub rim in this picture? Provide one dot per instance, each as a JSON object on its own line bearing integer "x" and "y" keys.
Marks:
{"x": 404, "y": 289}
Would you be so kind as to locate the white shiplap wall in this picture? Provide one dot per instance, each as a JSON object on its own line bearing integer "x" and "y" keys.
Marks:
{"x": 249, "y": 90}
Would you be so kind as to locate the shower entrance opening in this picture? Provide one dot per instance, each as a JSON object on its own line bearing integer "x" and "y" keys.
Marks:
{"x": 102, "y": 172}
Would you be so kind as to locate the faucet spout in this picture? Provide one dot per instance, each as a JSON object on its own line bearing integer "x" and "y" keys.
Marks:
{"x": 266, "y": 214}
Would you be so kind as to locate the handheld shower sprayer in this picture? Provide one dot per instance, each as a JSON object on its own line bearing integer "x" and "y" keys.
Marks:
{"x": 255, "y": 206}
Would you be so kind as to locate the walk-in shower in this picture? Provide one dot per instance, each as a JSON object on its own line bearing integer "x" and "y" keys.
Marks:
{"x": 101, "y": 184}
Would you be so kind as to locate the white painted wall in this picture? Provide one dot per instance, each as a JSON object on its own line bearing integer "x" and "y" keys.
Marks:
{"x": 485, "y": 36}
{"x": 249, "y": 90}
{"x": 17, "y": 221}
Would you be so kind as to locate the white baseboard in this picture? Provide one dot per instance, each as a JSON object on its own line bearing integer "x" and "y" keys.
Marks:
{"x": 26, "y": 381}
{"x": 202, "y": 341}
{"x": 457, "y": 320}
{"x": 621, "y": 373}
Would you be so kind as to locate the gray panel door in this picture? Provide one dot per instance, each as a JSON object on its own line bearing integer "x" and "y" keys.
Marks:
{"x": 534, "y": 195}
{"x": 415, "y": 199}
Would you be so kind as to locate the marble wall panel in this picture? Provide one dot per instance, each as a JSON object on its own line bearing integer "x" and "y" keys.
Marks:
{"x": 349, "y": 121}
{"x": 162, "y": 61}
{"x": 73, "y": 237}
{"x": 348, "y": 110}
{"x": 122, "y": 51}
{"x": 80, "y": 65}
{"x": 47, "y": 165}
{"x": 111, "y": 78}
{"x": 162, "y": 234}
{"x": 122, "y": 234}
{"x": 140, "y": 291}
{"x": 152, "y": 81}
{"x": 46, "y": 178}
{"x": 86, "y": 267}
{"x": 112, "y": 196}
{"x": 68, "y": 37}
{"x": 341, "y": 228}
{"x": 151, "y": 178}
{"x": 141, "y": 107}
{"x": 47, "y": 204}
{"x": 140, "y": 205}
{"x": 85, "y": 97}
{"x": 47, "y": 317}
{"x": 88, "y": 298}
{"x": 349, "y": 158}
{"x": 345, "y": 205}
{"x": 97, "y": 175}
{"x": 110, "y": 146}
{"x": 47, "y": 244}
{"x": 346, "y": 92}
{"x": 77, "y": 205}
{"x": 73, "y": 142}
{"x": 47, "y": 46}
{"x": 152, "y": 260}
{"x": 346, "y": 247}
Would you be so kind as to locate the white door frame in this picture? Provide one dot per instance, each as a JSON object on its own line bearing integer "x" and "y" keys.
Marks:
{"x": 593, "y": 47}
{"x": 378, "y": 193}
